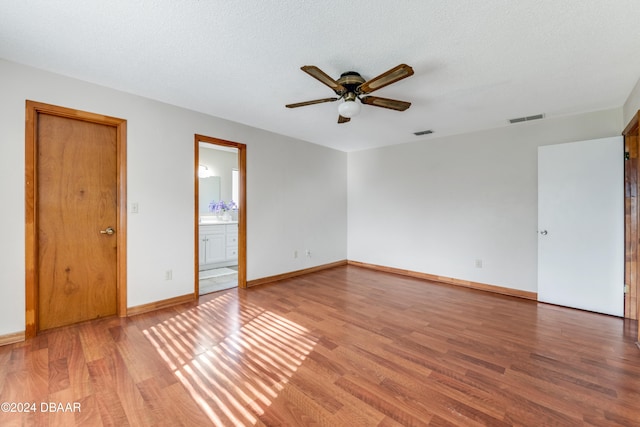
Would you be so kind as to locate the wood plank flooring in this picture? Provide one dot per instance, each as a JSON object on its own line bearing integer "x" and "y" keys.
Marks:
{"x": 345, "y": 346}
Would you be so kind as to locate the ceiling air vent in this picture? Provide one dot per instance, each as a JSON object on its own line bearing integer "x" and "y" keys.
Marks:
{"x": 423, "y": 132}
{"x": 526, "y": 119}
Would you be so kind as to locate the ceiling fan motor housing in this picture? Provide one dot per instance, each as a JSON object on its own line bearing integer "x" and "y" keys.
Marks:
{"x": 350, "y": 80}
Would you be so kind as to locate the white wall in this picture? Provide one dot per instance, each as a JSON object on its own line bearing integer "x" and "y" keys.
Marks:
{"x": 302, "y": 205}
{"x": 296, "y": 193}
{"x": 438, "y": 205}
{"x": 632, "y": 105}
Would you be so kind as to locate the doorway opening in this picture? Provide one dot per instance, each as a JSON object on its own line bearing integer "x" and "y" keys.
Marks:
{"x": 75, "y": 216}
{"x": 220, "y": 215}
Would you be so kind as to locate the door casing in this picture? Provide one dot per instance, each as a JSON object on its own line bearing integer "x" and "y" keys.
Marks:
{"x": 33, "y": 109}
{"x": 632, "y": 219}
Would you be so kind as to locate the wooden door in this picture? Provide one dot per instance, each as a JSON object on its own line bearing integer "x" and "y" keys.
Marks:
{"x": 76, "y": 206}
{"x": 75, "y": 221}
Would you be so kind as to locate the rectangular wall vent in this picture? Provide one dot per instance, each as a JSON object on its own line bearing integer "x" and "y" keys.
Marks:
{"x": 423, "y": 132}
{"x": 526, "y": 119}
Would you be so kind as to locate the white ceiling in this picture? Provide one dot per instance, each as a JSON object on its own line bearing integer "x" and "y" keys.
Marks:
{"x": 477, "y": 63}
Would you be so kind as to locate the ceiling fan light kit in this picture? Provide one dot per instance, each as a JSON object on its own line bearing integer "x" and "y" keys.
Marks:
{"x": 350, "y": 86}
{"x": 349, "y": 108}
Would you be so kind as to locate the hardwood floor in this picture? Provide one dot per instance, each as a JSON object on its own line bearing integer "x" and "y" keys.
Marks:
{"x": 341, "y": 347}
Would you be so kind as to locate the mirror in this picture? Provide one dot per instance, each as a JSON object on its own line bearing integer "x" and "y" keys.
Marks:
{"x": 209, "y": 190}
{"x": 221, "y": 162}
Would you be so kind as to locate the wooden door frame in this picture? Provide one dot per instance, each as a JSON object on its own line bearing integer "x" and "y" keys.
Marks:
{"x": 31, "y": 175}
{"x": 242, "y": 212}
{"x": 632, "y": 219}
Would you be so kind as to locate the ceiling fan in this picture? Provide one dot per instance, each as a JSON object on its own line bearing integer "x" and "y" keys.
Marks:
{"x": 351, "y": 87}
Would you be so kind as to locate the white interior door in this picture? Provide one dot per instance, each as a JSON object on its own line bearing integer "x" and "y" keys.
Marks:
{"x": 581, "y": 225}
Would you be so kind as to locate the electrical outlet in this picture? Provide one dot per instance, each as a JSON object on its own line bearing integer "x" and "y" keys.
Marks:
{"x": 295, "y": 253}
{"x": 308, "y": 253}
{"x": 134, "y": 207}
{"x": 168, "y": 275}
{"x": 478, "y": 263}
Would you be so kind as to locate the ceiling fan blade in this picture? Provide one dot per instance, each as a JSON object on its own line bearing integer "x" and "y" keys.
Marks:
{"x": 392, "y": 104}
{"x": 323, "y": 78}
{"x": 342, "y": 119}
{"x": 315, "y": 101}
{"x": 393, "y": 75}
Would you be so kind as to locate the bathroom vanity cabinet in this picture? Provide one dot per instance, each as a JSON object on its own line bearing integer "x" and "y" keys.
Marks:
{"x": 218, "y": 245}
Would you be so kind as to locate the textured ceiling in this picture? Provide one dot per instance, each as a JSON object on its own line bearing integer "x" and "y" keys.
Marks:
{"x": 477, "y": 63}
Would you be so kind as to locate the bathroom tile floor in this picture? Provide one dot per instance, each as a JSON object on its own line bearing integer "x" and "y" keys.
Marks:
{"x": 218, "y": 279}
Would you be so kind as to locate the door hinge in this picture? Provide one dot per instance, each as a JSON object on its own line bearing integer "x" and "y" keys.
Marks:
{"x": 627, "y": 156}
{"x": 626, "y": 289}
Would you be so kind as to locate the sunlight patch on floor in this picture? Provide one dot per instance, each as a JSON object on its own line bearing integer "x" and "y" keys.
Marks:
{"x": 233, "y": 361}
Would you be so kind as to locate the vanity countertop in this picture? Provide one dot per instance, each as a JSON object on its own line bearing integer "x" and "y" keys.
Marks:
{"x": 215, "y": 222}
